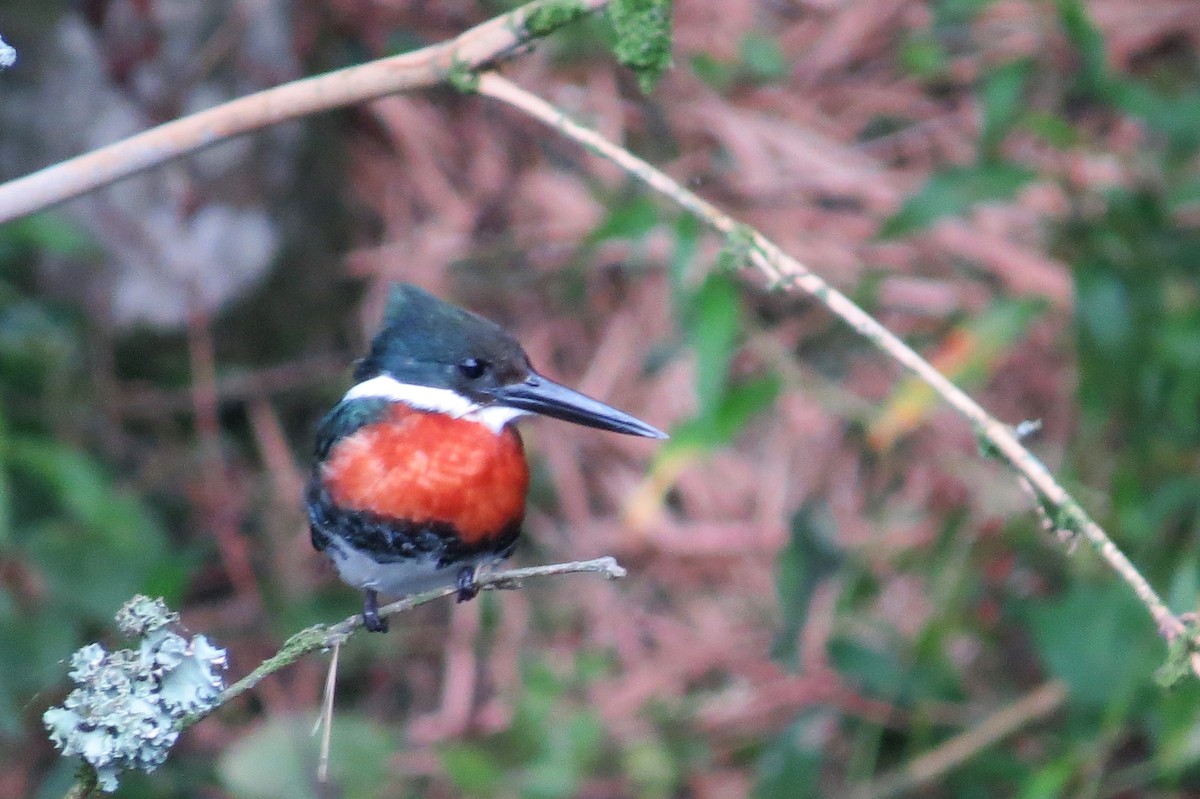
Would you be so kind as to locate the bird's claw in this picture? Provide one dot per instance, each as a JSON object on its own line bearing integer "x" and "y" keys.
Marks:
{"x": 467, "y": 589}
{"x": 371, "y": 618}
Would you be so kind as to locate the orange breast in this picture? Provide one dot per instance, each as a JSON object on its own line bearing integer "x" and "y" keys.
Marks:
{"x": 430, "y": 467}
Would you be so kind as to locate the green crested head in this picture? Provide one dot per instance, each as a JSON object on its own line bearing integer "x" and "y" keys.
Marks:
{"x": 437, "y": 357}
{"x": 428, "y": 342}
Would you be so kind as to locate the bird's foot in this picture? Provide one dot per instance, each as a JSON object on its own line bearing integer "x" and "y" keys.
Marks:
{"x": 467, "y": 589}
{"x": 371, "y": 618}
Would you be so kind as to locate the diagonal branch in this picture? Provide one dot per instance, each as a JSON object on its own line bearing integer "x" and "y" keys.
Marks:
{"x": 923, "y": 770}
{"x": 327, "y": 636}
{"x": 324, "y": 636}
{"x": 496, "y": 39}
{"x": 785, "y": 272}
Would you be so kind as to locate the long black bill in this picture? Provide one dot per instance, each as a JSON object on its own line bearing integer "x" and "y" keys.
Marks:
{"x": 539, "y": 395}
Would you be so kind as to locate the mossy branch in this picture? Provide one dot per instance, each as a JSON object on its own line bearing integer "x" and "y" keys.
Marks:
{"x": 326, "y": 636}
{"x": 786, "y": 273}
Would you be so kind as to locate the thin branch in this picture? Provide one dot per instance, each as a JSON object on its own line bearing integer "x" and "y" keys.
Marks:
{"x": 923, "y": 770}
{"x": 324, "y": 636}
{"x": 484, "y": 44}
{"x": 328, "y": 636}
{"x": 785, "y": 272}
{"x": 326, "y": 719}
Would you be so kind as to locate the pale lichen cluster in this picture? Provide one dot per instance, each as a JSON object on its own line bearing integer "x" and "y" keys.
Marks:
{"x": 127, "y": 708}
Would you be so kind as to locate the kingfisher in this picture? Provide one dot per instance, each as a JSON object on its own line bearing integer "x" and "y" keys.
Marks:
{"x": 420, "y": 477}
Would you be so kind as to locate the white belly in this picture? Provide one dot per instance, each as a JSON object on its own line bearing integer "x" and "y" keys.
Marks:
{"x": 400, "y": 578}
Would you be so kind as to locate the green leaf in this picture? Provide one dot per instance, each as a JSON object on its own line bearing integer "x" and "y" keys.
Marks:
{"x": 1184, "y": 195}
{"x": 762, "y": 59}
{"x": 1053, "y": 129}
{"x": 102, "y": 523}
{"x": 80, "y": 484}
{"x": 632, "y": 220}
{"x": 713, "y": 329}
{"x": 1096, "y": 639}
{"x": 550, "y": 779}
{"x": 278, "y": 760}
{"x": 35, "y": 344}
{"x": 1173, "y": 115}
{"x": 648, "y": 764}
{"x": 1086, "y": 38}
{"x": 741, "y": 403}
{"x": 791, "y": 764}
{"x": 474, "y": 771}
{"x": 1176, "y": 744}
{"x": 1104, "y": 312}
{"x": 47, "y": 232}
{"x": 1001, "y": 95}
{"x": 543, "y": 692}
{"x": 923, "y": 57}
{"x": 719, "y": 75}
{"x": 952, "y": 13}
{"x": 954, "y": 191}
{"x": 810, "y": 556}
{"x": 1050, "y": 781}
{"x": 6, "y": 538}
{"x": 585, "y": 737}
{"x": 878, "y": 671}
{"x": 33, "y": 647}
{"x": 1185, "y": 585}
{"x": 592, "y": 665}
{"x": 687, "y": 237}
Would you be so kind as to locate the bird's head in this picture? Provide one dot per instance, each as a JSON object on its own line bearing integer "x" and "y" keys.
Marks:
{"x": 439, "y": 357}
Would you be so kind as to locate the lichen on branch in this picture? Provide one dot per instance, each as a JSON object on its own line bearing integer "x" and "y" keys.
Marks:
{"x": 126, "y": 710}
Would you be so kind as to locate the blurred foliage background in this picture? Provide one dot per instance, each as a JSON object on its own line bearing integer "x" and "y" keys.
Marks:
{"x": 831, "y": 593}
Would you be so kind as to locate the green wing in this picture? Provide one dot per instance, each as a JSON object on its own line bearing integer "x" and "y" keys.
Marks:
{"x": 346, "y": 417}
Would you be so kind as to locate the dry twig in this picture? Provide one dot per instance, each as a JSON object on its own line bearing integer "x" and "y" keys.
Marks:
{"x": 786, "y": 273}
{"x": 484, "y": 44}
{"x": 475, "y": 49}
{"x": 923, "y": 770}
{"x": 329, "y": 636}
{"x": 324, "y": 636}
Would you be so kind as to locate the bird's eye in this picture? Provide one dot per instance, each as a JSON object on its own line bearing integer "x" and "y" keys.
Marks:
{"x": 473, "y": 368}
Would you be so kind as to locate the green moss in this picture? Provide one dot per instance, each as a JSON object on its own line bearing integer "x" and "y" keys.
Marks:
{"x": 1178, "y": 664}
{"x": 462, "y": 77}
{"x": 987, "y": 448}
{"x": 643, "y": 29}
{"x": 736, "y": 252}
{"x": 549, "y": 17}
{"x": 1069, "y": 518}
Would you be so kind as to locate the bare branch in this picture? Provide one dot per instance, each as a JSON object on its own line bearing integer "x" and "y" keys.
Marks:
{"x": 785, "y": 272}
{"x": 921, "y": 771}
{"x": 325, "y": 636}
{"x": 330, "y": 636}
{"x": 484, "y": 44}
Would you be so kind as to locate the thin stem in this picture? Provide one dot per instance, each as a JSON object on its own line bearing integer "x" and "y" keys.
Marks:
{"x": 484, "y": 44}
{"x": 327, "y": 715}
{"x": 923, "y": 770}
{"x": 327, "y": 636}
{"x": 786, "y": 272}
{"x": 324, "y": 636}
